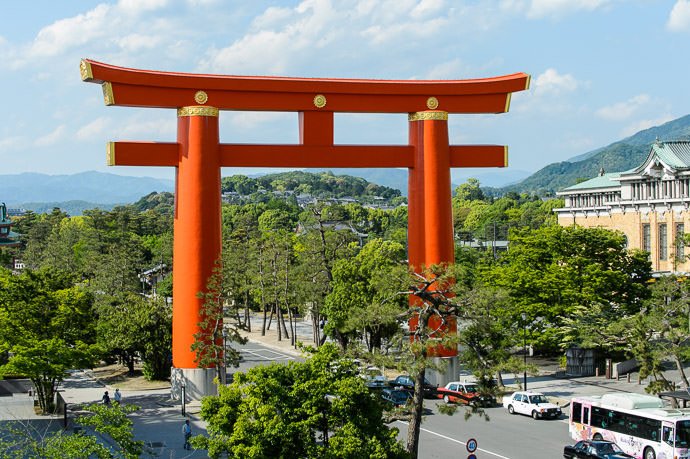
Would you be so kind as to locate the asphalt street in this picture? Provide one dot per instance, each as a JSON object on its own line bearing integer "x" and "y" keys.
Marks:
{"x": 159, "y": 421}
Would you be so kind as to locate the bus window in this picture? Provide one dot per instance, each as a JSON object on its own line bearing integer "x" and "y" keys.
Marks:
{"x": 682, "y": 434}
{"x": 667, "y": 435}
{"x": 576, "y": 410}
{"x": 585, "y": 415}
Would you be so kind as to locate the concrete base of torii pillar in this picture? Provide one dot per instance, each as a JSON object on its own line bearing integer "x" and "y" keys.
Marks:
{"x": 198, "y": 383}
{"x": 449, "y": 373}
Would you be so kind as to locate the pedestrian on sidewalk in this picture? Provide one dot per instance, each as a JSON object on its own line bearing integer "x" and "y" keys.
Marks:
{"x": 117, "y": 396}
{"x": 106, "y": 399}
{"x": 187, "y": 432}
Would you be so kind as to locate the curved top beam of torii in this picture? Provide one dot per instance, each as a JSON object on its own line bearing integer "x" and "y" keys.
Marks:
{"x": 148, "y": 88}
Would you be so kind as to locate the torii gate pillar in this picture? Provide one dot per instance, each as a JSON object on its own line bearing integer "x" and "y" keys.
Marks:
{"x": 430, "y": 234}
{"x": 197, "y": 237}
{"x": 198, "y": 157}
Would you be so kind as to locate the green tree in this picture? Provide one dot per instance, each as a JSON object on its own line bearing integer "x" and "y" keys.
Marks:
{"x": 657, "y": 333}
{"x": 45, "y": 362}
{"x": 210, "y": 343}
{"x": 553, "y": 273}
{"x": 132, "y": 326}
{"x": 316, "y": 408}
{"x": 470, "y": 191}
{"x": 356, "y": 304}
{"x": 46, "y": 327}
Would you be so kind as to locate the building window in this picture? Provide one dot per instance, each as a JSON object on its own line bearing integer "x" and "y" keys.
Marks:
{"x": 680, "y": 245}
{"x": 663, "y": 242}
{"x": 646, "y": 238}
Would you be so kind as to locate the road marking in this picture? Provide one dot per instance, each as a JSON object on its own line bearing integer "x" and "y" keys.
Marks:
{"x": 456, "y": 441}
{"x": 261, "y": 353}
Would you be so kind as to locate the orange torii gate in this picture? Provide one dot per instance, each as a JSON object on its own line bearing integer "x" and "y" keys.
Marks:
{"x": 198, "y": 155}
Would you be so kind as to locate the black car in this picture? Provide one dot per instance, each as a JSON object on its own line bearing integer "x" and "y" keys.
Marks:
{"x": 407, "y": 383}
{"x": 397, "y": 397}
{"x": 591, "y": 449}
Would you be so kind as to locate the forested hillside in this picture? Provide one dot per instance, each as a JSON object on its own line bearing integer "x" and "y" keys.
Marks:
{"x": 617, "y": 157}
{"x": 320, "y": 184}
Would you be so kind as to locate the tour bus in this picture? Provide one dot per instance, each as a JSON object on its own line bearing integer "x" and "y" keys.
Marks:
{"x": 638, "y": 423}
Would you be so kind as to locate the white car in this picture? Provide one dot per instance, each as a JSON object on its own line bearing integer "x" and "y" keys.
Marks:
{"x": 532, "y": 404}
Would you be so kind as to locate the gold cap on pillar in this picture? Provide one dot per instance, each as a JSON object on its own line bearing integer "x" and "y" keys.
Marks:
{"x": 197, "y": 111}
{"x": 111, "y": 153}
{"x": 430, "y": 115}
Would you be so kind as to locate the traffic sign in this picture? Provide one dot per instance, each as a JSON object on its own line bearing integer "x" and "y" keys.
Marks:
{"x": 471, "y": 445}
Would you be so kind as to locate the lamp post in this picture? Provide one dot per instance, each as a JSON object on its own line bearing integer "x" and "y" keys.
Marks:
{"x": 524, "y": 349}
{"x": 183, "y": 397}
{"x": 225, "y": 346}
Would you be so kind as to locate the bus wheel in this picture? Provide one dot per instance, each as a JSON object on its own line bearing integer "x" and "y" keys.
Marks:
{"x": 649, "y": 454}
{"x": 598, "y": 437}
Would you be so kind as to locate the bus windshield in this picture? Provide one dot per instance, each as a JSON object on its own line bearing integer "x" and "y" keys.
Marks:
{"x": 682, "y": 434}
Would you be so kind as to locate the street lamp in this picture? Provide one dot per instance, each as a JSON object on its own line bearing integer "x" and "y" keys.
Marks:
{"x": 183, "y": 397}
{"x": 225, "y": 346}
{"x": 524, "y": 349}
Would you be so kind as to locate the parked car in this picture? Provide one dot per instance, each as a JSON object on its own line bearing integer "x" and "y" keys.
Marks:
{"x": 398, "y": 397}
{"x": 594, "y": 450}
{"x": 464, "y": 392}
{"x": 373, "y": 378}
{"x": 406, "y": 382}
{"x": 533, "y": 404}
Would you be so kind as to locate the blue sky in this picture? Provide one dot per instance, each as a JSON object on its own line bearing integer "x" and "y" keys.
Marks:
{"x": 601, "y": 69}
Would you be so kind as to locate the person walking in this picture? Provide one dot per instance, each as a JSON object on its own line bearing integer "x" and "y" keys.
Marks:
{"x": 117, "y": 396}
{"x": 187, "y": 432}
{"x": 106, "y": 399}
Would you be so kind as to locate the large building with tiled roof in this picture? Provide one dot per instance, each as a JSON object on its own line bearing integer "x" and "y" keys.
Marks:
{"x": 649, "y": 204}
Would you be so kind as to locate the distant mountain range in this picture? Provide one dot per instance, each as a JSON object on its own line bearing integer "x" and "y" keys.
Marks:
{"x": 76, "y": 192}
{"x": 86, "y": 190}
{"x": 617, "y": 157}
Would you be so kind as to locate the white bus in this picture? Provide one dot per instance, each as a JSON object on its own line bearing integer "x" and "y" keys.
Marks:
{"x": 638, "y": 423}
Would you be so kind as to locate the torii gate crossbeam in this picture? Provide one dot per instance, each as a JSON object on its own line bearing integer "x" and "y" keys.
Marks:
{"x": 198, "y": 155}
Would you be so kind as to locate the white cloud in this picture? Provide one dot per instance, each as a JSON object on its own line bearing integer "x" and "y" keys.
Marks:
{"x": 679, "y": 19}
{"x": 138, "y": 6}
{"x": 559, "y": 8}
{"x": 272, "y": 17}
{"x": 94, "y": 129}
{"x": 135, "y": 42}
{"x": 12, "y": 143}
{"x": 131, "y": 25}
{"x": 460, "y": 70}
{"x": 273, "y": 50}
{"x": 252, "y": 120}
{"x": 282, "y": 39}
{"x": 50, "y": 139}
{"x": 640, "y": 125}
{"x": 425, "y": 8}
{"x": 553, "y": 82}
{"x": 80, "y": 29}
{"x": 141, "y": 127}
{"x": 623, "y": 110}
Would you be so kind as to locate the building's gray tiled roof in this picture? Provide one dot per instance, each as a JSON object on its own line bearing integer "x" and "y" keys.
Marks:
{"x": 602, "y": 181}
{"x": 675, "y": 154}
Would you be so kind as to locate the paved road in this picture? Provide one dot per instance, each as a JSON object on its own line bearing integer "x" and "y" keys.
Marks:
{"x": 501, "y": 437}
{"x": 516, "y": 437}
